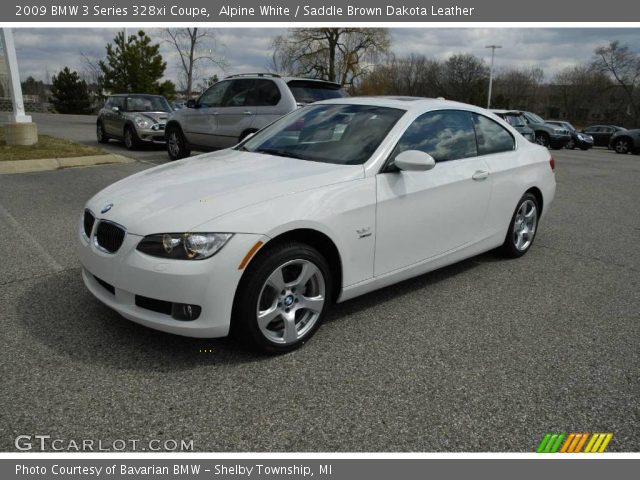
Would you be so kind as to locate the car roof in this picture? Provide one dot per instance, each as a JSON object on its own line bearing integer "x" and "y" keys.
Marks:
{"x": 403, "y": 103}
{"x": 507, "y": 112}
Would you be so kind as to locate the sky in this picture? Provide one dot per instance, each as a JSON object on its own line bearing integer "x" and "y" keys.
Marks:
{"x": 41, "y": 51}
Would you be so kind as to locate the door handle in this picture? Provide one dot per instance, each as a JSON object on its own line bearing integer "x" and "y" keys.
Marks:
{"x": 480, "y": 175}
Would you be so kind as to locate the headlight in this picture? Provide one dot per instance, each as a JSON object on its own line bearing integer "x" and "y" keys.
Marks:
{"x": 142, "y": 122}
{"x": 184, "y": 246}
{"x": 581, "y": 137}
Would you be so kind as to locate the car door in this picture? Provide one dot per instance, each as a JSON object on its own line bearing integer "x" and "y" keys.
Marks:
{"x": 598, "y": 135}
{"x": 113, "y": 118}
{"x": 199, "y": 124}
{"x": 423, "y": 215}
{"x": 236, "y": 113}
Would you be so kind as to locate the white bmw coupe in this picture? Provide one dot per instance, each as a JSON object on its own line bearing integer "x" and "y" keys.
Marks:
{"x": 332, "y": 201}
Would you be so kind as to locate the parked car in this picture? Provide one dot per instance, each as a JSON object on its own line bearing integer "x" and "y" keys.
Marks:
{"x": 135, "y": 119}
{"x": 626, "y": 141}
{"x": 602, "y": 133}
{"x": 240, "y": 105}
{"x": 546, "y": 134}
{"x": 337, "y": 199}
{"x": 516, "y": 119}
{"x": 578, "y": 139}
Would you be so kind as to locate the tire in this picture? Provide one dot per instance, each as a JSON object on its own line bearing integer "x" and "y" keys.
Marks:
{"x": 542, "y": 139}
{"x": 177, "y": 147}
{"x": 584, "y": 149}
{"x": 101, "y": 135}
{"x": 131, "y": 140}
{"x": 269, "y": 286}
{"x": 514, "y": 245}
{"x": 571, "y": 145}
{"x": 622, "y": 146}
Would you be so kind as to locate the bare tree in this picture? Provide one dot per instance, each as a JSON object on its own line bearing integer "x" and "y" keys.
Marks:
{"x": 623, "y": 66}
{"x": 578, "y": 89}
{"x": 336, "y": 54}
{"x": 196, "y": 47}
{"x": 517, "y": 88}
{"x": 464, "y": 78}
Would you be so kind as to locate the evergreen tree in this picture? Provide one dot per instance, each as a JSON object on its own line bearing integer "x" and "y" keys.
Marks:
{"x": 69, "y": 94}
{"x": 133, "y": 65}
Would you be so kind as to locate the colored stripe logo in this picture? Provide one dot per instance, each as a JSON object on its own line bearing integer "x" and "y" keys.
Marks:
{"x": 574, "y": 443}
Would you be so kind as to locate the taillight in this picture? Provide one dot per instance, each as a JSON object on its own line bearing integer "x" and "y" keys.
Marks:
{"x": 552, "y": 163}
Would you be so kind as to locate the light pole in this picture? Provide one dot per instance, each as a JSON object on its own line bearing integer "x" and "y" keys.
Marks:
{"x": 493, "y": 52}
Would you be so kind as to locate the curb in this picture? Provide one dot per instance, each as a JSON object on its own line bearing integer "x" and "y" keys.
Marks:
{"x": 44, "y": 164}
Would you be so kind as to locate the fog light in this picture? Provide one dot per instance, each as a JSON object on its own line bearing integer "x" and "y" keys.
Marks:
{"x": 185, "y": 311}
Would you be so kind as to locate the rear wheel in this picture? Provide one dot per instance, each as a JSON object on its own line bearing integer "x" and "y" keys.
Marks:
{"x": 282, "y": 299}
{"x": 176, "y": 144}
{"x": 622, "y": 146}
{"x": 523, "y": 227}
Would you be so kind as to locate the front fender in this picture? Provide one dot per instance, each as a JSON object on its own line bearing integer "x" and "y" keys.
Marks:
{"x": 344, "y": 212}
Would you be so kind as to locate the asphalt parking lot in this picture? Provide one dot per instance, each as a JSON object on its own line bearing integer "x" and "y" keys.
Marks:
{"x": 485, "y": 355}
{"x": 82, "y": 129}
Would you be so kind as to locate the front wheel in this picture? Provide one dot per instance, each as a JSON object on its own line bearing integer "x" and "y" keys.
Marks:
{"x": 131, "y": 140}
{"x": 101, "y": 135}
{"x": 571, "y": 145}
{"x": 523, "y": 227}
{"x": 282, "y": 298}
{"x": 176, "y": 144}
{"x": 542, "y": 139}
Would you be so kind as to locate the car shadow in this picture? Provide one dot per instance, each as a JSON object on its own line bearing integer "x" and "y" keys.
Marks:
{"x": 58, "y": 312}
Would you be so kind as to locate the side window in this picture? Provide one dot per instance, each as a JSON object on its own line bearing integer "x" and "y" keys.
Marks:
{"x": 117, "y": 102}
{"x": 263, "y": 94}
{"x": 443, "y": 134}
{"x": 491, "y": 137}
{"x": 213, "y": 97}
{"x": 238, "y": 93}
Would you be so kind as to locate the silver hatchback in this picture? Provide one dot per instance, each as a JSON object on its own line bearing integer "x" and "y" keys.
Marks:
{"x": 135, "y": 119}
{"x": 237, "y": 106}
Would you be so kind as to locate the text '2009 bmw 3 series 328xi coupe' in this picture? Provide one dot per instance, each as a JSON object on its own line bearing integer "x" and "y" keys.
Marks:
{"x": 332, "y": 201}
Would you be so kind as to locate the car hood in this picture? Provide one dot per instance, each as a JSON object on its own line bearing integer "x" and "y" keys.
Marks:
{"x": 155, "y": 117}
{"x": 182, "y": 195}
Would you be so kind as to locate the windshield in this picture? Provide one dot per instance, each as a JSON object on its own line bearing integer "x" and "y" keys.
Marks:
{"x": 147, "y": 104}
{"x": 515, "y": 120}
{"x": 533, "y": 118}
{"x": 343, "y": 134}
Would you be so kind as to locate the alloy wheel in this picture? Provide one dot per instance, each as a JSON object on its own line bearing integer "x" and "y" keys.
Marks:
{"x": 291, "y": 301}
{"x": 525, "y": 223}
{"x": 174, "y": 144}
{"x": 128, "y": 138}
{"x": 622, "y": 146}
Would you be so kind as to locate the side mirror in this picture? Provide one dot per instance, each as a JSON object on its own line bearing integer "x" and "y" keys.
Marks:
{"x": 115, "y": 109}
{"x": 414, "y": 161}
{"x": 191, "y": 103}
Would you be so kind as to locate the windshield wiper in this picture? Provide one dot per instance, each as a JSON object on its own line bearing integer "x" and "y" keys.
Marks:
{"x": 279, "y": 153}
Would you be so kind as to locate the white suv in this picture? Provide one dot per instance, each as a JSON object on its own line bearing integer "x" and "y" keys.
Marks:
{"x": 239, "y": 105}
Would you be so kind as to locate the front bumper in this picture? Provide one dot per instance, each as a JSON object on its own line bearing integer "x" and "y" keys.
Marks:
{"x": 150, "y": 135}
{"x": 558, "y": 141}
{"x": 210, "y": 284}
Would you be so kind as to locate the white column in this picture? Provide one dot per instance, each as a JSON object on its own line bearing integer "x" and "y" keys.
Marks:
{"x": 18, "y": 115}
